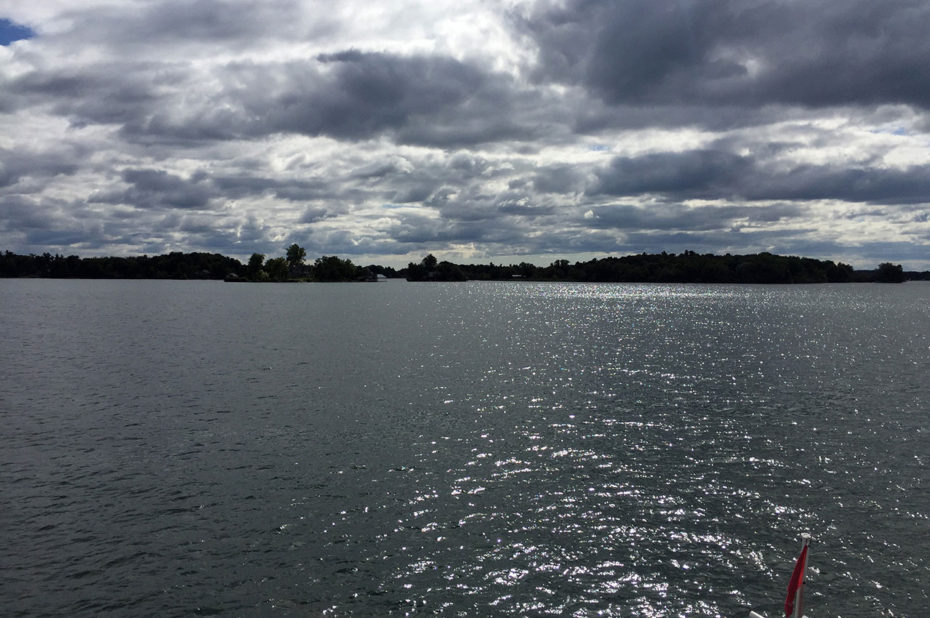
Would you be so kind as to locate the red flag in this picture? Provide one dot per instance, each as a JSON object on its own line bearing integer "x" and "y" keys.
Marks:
{"x": 795, "y": 584}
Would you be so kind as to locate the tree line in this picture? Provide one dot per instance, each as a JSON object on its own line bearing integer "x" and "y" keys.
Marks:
{"x": 174, "y": 265}
{"x": 177, "y": 265}
{"x": 687, "y": 267}
{"x": 293, "y": 267}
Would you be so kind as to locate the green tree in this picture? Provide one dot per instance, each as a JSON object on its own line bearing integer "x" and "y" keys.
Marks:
{"x": 276, "y": 269}
{"x": 254, "y": 268}
{"x": 890, "y": 273}
{"x": 430, "y": 261}
{"x": 332, "y": 268}
{"x": 839, "y": 273}
{"x": 447, "y": 271}
{"x": 295, "y": 255}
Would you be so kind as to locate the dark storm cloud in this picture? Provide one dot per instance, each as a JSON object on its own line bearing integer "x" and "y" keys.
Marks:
{"x": 416, "y": 193}
{"x": 476, "y": 204}
{"x": 432, "y": 100}
{"x": 195, "y": 22}
{"x": 452, "y": 183}
{"x": 157, "y": 189}
{"x": 715, "y": 173}
{"x": 521, "y": 208}
{"x": 315, "y": 214}
{"x": 559, "y": 179}
{"x": 676, "y": 217}
{"x": 49, "y": 223}
{"x": 738, "y": 52}
{"x": 715, "y": 63}
{"x": 291, "y": 189}
{"x": 22, "y": 213}
{"x": 360, "y": 95}
{"x": 355, "y": 95}
{"x": 694, "y": 173}
{"x": 876, "y": 252}
{"x": 574, "y": 240}
{"x": 854, "y": 184}
{"x": 132, "y": 95}
{"x": 29, "y": 163}
{"x": 350, "y": 95}
{"x": 418, "y": 231}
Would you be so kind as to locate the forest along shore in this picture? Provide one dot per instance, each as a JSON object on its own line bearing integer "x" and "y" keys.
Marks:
{"x": 687, "y": 267}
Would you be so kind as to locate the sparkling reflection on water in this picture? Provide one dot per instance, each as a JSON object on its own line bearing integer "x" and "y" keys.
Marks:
{"x": 467, "y": 449}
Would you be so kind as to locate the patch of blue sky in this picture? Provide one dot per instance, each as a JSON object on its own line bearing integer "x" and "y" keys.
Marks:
{"x": 896, "y": 131}
{"x": 11, "y": 31}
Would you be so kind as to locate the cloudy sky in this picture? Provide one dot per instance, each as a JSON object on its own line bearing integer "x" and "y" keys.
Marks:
{"x": 480, "y": 131}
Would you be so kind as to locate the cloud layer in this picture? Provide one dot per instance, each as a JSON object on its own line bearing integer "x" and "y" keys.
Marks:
{"x": 477, "y": 131}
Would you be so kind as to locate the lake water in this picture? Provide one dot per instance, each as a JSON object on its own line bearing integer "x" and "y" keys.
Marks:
{"x": 477, "y": 449}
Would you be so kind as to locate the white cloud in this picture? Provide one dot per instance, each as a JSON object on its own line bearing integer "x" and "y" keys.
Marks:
{"x": 472, "y": 129}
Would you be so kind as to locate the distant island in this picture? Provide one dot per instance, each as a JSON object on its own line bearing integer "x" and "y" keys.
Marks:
{"x": 687, "y": 267}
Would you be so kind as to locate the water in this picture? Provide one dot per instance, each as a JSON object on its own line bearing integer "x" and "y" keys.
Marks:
{"x": 184, "y": 448}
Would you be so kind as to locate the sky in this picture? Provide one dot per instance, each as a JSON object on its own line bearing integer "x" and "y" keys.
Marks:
{"x": 478, "y": 131}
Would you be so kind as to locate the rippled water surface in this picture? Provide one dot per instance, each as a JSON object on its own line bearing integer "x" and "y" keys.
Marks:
{"x": 182, "y": 448}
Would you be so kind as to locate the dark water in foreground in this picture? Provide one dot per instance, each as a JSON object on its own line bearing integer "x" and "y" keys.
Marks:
{"x": 183, "y": 448}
